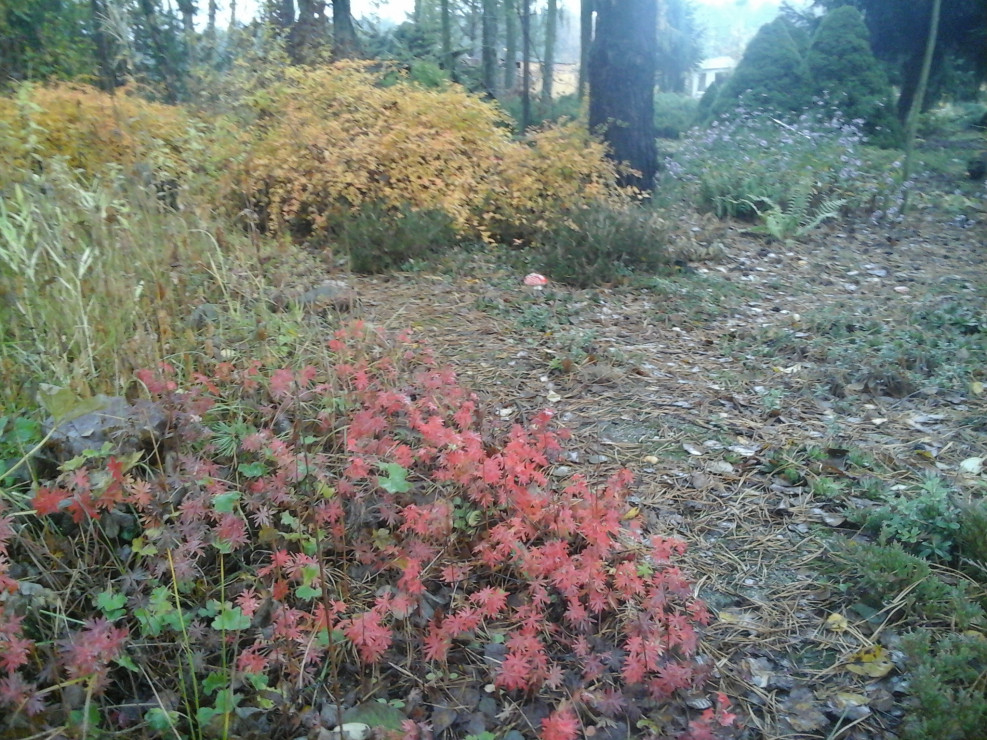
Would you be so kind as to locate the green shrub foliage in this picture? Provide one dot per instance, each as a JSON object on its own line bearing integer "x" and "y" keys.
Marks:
{"x": 602, "y": 244}
{"x": 772, "y": 73}
{"x": 846, "y": 74}
{"x": 379, "y": 239}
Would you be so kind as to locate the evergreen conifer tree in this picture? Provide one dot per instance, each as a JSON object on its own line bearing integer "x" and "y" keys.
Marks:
{"x": 772, "y": 70}
{"x": 844, "y": 71}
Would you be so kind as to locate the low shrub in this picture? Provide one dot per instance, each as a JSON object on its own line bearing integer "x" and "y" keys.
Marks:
{"x": 882, "y": 574}
{"x": 971, "y": 538}
{"x": 379, "y": 239}
{"x": 675, "y": 113}
{"x": 751, "y": 158}
{"x": 602, "y": 244}
{"x": 924, "y": 522}
{"x": 330, "y": 139}
{"x": 946, "y": 684}
{"x": 305, "y": 530}
{"x": 543, "y": 179}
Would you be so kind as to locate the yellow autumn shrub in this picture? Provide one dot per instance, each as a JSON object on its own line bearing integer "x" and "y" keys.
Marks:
{"x": 90, "y": 129}
{"x": 553, "y": 172}
{"x": 325, "y": 142}
{"x": 331, "y": 139}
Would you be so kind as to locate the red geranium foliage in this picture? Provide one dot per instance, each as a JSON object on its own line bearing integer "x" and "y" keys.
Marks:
{"x": 370, "y": 512}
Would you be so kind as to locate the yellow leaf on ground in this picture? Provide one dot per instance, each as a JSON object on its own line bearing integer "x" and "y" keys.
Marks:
{"x": 872, "y": 662}
{"x": 836, "y": 622}
{"x": 843, "y": 700}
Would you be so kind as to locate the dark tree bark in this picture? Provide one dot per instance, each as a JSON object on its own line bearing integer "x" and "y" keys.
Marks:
{"x": 211, "y": 10}
{"x": 345, "y": 44}
{"x": 448, "y": 59}
{"x": 187, "y": 9}
{"x": 510, "y": 45}
{"x": 283, "y": 14}
{"x": 548, "y": 61}
{"x": 309, "y": 33}
{"x": 108, "y": 79}
{"x": 918, "y": 96}
{"x": 525, "y": 64}
{"x": 586, "y": 8}
{"x": 621, "y": 85}
{"x": 159, "y": 51}
{"x": 489, "y": 51}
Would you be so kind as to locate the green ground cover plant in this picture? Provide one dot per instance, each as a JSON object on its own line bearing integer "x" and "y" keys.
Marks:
{"x": 751, "y": 164}
{"x": 928, "y": 347}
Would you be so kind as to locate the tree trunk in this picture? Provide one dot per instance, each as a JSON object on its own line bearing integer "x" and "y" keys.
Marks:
{"x": 525, "y": 64}
{"x": 211, "y": 10}
{"x": 345, "y": 44}
{"x": 283, "y": 14}
{"x": 159, "y": 51}
{"x": 586, "y": 8}
{"x": 548, "y": 61}
{"x": 108, "y": 80}
{"x": 448, "y": 60}
{"x": 310, "y": 32}
{"x": 490, "y": 47}
{"x": 911, "y": 124}
{"x": 510, "y": 45}
{"x": 621, "y": 85}
{"x": 187, "y": 9}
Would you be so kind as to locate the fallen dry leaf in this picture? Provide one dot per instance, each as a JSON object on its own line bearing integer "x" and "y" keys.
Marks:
{"x": 836, "y": 622}
{"x": 872, "y": 662}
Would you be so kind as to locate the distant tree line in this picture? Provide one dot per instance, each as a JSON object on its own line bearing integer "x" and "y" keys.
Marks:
{"x": 852, "y": 51}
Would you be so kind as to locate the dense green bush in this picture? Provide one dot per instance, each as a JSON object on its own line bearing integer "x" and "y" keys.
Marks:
{"x": 675, "y": 113}
{"x": 771, "y": 75}
{"x": 379, "y": 238}
{"x": 784, "y": 69}
{"x": 602, "y": 244}
{"x": 845, "y": 73}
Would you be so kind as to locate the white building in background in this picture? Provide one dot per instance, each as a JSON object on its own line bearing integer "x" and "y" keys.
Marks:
{"x": 708, "y": 72}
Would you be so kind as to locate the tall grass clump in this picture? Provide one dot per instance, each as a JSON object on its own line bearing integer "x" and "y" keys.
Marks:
{"x": 750, "y": 163}
{"x": 86, "y": 275}
{"x": 98, "y": 277}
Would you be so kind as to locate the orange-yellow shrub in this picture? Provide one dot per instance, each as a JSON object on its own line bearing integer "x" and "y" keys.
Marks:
{"x": 555, "y": 171}
{"x": 90, "y": 130}
{"x": 330, "y": 139}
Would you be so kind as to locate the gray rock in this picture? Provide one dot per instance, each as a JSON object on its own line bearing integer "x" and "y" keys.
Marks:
{"x": 203, "y": 315}
{"x": 125, "y": 427}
